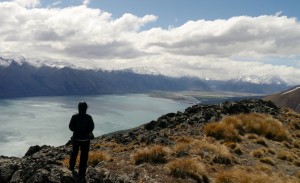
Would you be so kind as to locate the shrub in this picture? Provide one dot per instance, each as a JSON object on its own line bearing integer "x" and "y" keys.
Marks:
{"x": 229, "y": 128}
{"x": 188, "y": 168}
{"x": 154, "y": 154}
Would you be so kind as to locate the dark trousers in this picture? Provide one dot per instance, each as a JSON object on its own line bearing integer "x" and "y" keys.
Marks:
{"x": 84, "y": 153}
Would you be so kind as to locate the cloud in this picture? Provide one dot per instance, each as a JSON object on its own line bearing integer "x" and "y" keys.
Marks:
{"x": 86, "y": 2}
{"x": 28, "y": 3}
{"x": 221, "y": 49}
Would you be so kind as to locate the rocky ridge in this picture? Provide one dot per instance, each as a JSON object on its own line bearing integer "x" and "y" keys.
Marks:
{"x": 45, "y": 164}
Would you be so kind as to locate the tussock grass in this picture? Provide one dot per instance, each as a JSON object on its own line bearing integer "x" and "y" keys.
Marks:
{"x": 153, "y": 154}
{"x": 259, "y": 153}
{"x": 188, "y": 168}
{"x": 261, "y": 141}
{"x": 267, "y": 160}
{"x": 214, "y": 152}
{"x": 230, "y": 128}
{"x": 286, "y": 156}
{"x": 237, "y": 175}
{"x": 95, "y": 157}
{"x": 296, "y": 144}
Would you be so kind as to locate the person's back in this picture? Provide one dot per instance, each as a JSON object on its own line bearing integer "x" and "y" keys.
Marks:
{"x": 82, "y": 125}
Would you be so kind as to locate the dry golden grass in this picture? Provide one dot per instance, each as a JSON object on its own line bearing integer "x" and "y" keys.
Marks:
{"x": 286, "y": 156}
{"x": 188, "y": 168}
{"x": 261, "y": 141}
{"x": 296, "y": 144}
{"x": 95, "y": 157}
{"x": 251, "y": 136}
{"x": 259, "y": 153}
{"x": 181, "y": 149}
{"x": 154, "y": 154}
{"x": 213, "y": 152}
{"x": 230, "y": 128}
{"x": 238, "y": 175}
{"x": 226, "y": 129}
{"x": 267, "y": 160}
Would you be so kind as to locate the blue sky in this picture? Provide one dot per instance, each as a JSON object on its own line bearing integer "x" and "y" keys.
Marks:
{"x": 205, "y": 38}
{"x": 177, "y": 12}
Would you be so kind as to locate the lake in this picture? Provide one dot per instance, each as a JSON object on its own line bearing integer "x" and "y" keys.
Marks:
{"x": 44, "y": 120}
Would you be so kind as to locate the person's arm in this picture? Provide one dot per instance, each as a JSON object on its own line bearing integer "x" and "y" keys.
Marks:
{"x": 71, "y": 124}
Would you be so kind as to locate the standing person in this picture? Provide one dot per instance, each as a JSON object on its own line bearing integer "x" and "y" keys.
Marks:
{"x": 82, "y": 125}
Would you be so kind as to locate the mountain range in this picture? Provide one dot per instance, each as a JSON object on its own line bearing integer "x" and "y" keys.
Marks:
{"x": 21, "y": 77}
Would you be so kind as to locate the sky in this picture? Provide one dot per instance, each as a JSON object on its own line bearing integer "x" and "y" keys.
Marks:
{"x": 209, "y": 39}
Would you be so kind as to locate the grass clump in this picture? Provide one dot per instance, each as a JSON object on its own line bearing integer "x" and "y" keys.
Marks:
{"x": 213, "y": 152}
{"x": 259, "y": 153}
{"x": 188, "y": 168}
{"x": 237, "y": 175}
{"x": 267, "y": 160}
{"x": 230, "y": 128}
{"x": 95, "y": 157}
{"x": 286, "y": 156}
{"x": 154, "y": 154}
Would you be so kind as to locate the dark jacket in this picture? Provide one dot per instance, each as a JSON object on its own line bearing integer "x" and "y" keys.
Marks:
{"x": 81, "y": 125}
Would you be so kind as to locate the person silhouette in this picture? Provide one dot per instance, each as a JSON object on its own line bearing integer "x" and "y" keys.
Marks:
{"x": 81, "y": 125}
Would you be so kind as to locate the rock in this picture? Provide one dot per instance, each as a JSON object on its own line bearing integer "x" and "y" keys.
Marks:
{"x": 32, "y": 150}
{"x": 150, "y": 126}
{"x": 7, "y": 171}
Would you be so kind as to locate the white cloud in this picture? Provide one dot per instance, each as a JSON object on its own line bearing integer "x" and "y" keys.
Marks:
{"x": 28, "y": 3}
{"x": 210, "y": 49}
{"x": 86, "y": 2}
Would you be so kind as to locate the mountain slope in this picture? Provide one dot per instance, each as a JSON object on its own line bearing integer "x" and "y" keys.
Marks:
{"x": 289, "y": 98}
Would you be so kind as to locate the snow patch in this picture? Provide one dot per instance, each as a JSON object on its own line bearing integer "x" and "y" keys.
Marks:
{"x": 291, "y": 90}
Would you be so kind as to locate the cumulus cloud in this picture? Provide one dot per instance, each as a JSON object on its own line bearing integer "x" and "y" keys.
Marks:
{"x": 220, "y": 49}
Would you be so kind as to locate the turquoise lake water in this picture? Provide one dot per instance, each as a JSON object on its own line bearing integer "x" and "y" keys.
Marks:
{"x": 44, "y": 120}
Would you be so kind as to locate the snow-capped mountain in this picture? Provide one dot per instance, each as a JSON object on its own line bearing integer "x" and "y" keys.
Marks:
{"x": 144, "y": 70}
{"x": 36, "y": 62}
{"x": 22, "y": 77}
{"x": 263, "y": 79}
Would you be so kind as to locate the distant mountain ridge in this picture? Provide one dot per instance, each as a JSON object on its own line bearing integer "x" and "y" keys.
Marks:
{"x": 289, "y": 98}
{"x": 21, "y": 77}
{"x": 23, "y": 80}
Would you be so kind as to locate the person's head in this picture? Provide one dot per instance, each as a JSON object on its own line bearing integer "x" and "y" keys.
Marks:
{"x": 82, "y": 107}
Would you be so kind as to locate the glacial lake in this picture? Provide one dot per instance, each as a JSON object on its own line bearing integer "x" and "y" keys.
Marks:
{"x": 25, "y": 122}
{"x": 44, "y": 120}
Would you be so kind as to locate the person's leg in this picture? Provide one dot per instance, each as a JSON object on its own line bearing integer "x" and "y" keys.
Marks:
{"x": 74, "y": 154}
{"x": 84, "y": 149}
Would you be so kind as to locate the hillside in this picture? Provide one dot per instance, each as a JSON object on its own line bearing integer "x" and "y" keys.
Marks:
{"x": 289, "y": 98}
{"x": 245, "y": 141}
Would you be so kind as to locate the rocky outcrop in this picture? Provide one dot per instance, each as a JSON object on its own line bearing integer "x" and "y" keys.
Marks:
{"x": 44, "y": 164}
